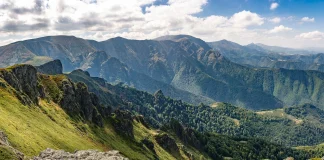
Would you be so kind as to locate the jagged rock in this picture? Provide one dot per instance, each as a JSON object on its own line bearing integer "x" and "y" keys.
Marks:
{"x": 80, "y": 155}
{"x": 167, "y": 143}
{"x": 187, "y": 135}
{"x": 78, "y": 100}
{"x": 140, "y": 118}
{"x": 149, "y": 144}
{"x": 123, "y": 123}
{"x": 159, "y": 97}
{"x": 23, "y": 78}
{"x": 51, "y": 68}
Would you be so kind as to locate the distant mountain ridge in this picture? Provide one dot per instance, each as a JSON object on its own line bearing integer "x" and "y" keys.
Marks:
{"x": 260, "y": 55}
{"x": 182, "y": 66}
{"x": 283, "y": 50}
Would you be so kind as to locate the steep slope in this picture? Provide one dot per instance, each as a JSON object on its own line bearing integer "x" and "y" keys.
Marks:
{"x": 69, "y": 49}
{"x": 180, "y": 63}
{"x": 43, "y": 111}
{"x": 55, "y": 118}
{"x": 220, "y": 118}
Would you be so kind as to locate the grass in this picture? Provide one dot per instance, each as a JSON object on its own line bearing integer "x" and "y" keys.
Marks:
{"x": 31, "y": 129}
{"x": 6, "y": 154}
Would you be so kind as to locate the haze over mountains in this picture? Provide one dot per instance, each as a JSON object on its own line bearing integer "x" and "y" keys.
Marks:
{"x": 260, "y": 55}
{"x": 184, "y": 67}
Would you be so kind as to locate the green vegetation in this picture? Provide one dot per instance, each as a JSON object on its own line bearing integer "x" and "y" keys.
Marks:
{"x": 49, "y": 123}
{"x": 6, "y": 154}
{"x": 221, "y": 118}
{"x": 219, "y": 146}
{"x": 32, "y": 129}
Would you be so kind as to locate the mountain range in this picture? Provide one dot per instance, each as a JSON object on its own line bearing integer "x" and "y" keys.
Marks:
{"x": 182, "y": 66}
{"x": 41, "y": 108}
{"x": 260, "y": 55}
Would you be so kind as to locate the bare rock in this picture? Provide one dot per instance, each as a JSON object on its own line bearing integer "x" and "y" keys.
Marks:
{"x": 51, "y": 68}
{"x": 51, "y": 154}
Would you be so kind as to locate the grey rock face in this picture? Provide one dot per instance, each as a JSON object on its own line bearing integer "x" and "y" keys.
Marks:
{"x": 123, "y": 123}
{"x": 52, "y": 68}
{"x": 24, "y": 79}
{"x": 50, "y": 154}
{"x": 77, "y": 100}
{"x": 167, "y": 143}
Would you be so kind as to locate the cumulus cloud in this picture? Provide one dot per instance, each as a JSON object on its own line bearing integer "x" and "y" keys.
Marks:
{"x": 280, "y": 28}
{"x": 245, "y": 19}
{"x": 134, "y": 19}
{"x": 307, "y": 19}
{"x": 315, "y": 35}
{"x": 274, "y": 6}
{"x": 275, "y": 20}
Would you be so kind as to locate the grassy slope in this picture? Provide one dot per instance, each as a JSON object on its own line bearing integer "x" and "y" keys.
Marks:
{"x": 32, "y": 129}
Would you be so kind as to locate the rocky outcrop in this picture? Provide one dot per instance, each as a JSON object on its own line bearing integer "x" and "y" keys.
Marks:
{"x": 75, "y": 98}
{"x": 149, "y": 144}
{"x": 123, "y": 123}
{"x": 78, "y": 100}
{"x": 23, "y": 78}
{"x": 80, "y": 155}
{"x": 159, "y": 97}
{"x": 51, "y": 68}
{"x": 4, "y": 143}
{"x": 167, "y": 143}
{"x": 141, "y": 119}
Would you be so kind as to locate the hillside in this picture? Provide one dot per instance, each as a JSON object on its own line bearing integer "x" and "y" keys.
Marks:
{"x": 50, "y": 111}
{"x": 220, "y": 117}
{"x": 183, "y": 67}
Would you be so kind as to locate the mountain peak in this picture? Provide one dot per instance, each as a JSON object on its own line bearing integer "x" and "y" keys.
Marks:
{"x": 181, "y": 37}
{"x": 52, "y": 68}
{"x": 175, "y": 38}
{"x": 158, "y": 93}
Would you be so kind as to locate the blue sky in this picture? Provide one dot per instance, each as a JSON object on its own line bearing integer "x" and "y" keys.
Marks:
{"x": 290, "y": 23}
{"x": 295, "y": 8}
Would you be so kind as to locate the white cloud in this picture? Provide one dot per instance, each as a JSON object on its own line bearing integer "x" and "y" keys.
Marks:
{"x": 275, "y": 20}
{"x": 307, "y": 19}
{"x": 134, "y": 19}
{"x": 315, "y": 35}
{"x": 245, "y": 19}
{"x": 280, "y": 28}
{"x": 274, "y": 6}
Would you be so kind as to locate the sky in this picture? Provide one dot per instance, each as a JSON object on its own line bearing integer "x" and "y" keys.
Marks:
{"x": 288, "y": 23}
